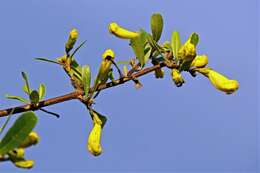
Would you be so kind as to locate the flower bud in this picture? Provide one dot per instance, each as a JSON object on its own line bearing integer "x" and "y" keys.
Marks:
{"x": 159, "y": 73}
{"x": 108, "y": 53}
{"x": 120, "y": 32}
{"x": 71, "y": 40}
{"x": 94, "y": 146}
{"x": 26, "y": 164}
{"x": 199, "y": 61}
{"x": 32, "y": 139}
{"x": 177, "y": 78}
{"x": 219, "y": 81}
{"x": 187, "y": 52}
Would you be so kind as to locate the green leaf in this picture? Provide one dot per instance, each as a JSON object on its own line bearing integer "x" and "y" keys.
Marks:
{"x": 25, "y": 78}
{"x": 86, "y": 79}
{"x": 25, "y": 89}
{"x": 156, "y": 26}
{"x": 194, "y": 38}
{"x": 16, "y": 98}
{"x": 75, "y": 51}
{"x": 138, "y": 45}
{"x": 41, "y": 90}
{"x": 47, "y": 60}
{"x": 18, "y": 132}
{"x": 154, "y": 44}
{"x": 34, "y": 97}
{"x": 6, "y": 121}
{"x": 147, "y": 53}
{"x": 175, "y": 43}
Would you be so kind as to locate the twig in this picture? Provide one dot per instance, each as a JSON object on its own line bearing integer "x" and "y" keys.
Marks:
{"x": 78, "y": 94}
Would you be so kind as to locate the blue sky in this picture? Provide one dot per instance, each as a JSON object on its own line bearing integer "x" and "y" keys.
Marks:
{"x": 158, "y": 128}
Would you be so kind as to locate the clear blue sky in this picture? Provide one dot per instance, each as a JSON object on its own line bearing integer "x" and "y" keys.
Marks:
{"x": 158, "y": 128}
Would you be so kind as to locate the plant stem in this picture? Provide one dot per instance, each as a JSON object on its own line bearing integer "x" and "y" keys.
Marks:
{"x": 78, "y": 94}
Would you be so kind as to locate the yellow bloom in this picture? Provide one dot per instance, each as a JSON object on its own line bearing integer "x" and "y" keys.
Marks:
{"x": 159, "y": 73}
{"x": 32, "y": 139}
{"x": 108, "y": 53}
{"x": 120, "y": 32}
{"x": 71, "y": 40}
{"x": 104, "y": 68}
{"x": 199, "y": 61}
{"x": 187, "y": 52}
{"x": 27, "y": 164}
{"x": 219, "y": 81}
{"x": 94, "y": 146}
{"x": 177, "y": 78}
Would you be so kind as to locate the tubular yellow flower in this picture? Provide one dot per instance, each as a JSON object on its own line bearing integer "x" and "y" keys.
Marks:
{"x": 71, "y": 40}
{"x": 120, "y": 32}
{"x": 177, "y": 78}
{"x": 26, "y": 164}
{"x": 94, "y": 146}
{"x": 199, "y": 61}
{"x": 219, "y": 81}
{"x": 32, "y": 139}
{"x": 159, "y": 73}
{"x": 187, "y": 52}
{"x": 108, "y": 53}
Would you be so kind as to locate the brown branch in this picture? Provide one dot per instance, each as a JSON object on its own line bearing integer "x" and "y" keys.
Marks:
{"x": 78, "y": 93}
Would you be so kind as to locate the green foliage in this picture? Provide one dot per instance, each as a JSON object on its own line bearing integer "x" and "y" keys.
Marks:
{"x": 138, "y": 45}
{"x": 175, "y": 43}
{"x": 86, "y": 79}
{"x": 156, "y": 26}
{"x": 41, "y": 91}
{"x": 25, "y": 78}
{"x": 194, "y": 38}
{"x": 18, "y": 132}
{"x": 17, "y": 98}
{"x": 47, "y": 60}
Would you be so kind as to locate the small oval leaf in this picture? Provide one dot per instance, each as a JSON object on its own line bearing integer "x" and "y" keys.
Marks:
{"x": 194, "y": 38}
{"x": 25, "y": 78}
{"x": 41, "y": 90}
{"x": 18, "y": 132}
{"x": 175, "y": 43}
{"x": 17, "y": 98}
{"x": 156, "y": 26}
{"x": 86, "y": 78}
{"x": 138, "y": 45}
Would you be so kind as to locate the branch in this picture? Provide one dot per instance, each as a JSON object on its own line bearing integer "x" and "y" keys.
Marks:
{"x": 79, "y": 93}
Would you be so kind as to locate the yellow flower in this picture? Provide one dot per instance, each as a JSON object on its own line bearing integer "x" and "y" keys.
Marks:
{"x": 32, "y": 139}
{"x": 94, "y": 146}
{"x": 219, "y": 81}
{"x": 187, "y": 51}
{"x": 27, "y": 164}
{"x": 199, "y": 61}
{"x": 159, "y": 73}
{"x": 108, "y": 53}
{"x": 120, "y": 32}
{"x": 177, "y": 78}
{"x": 71, "y": 40}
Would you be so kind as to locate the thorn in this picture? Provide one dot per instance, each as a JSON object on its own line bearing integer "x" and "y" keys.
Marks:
{"x": 48, "y": 112}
